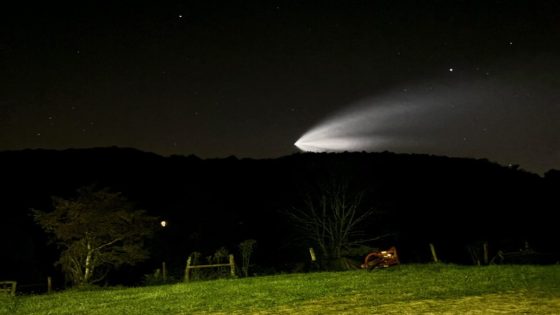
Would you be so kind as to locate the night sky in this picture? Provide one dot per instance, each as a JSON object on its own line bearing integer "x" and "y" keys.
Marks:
{"x": 249, "y": 78}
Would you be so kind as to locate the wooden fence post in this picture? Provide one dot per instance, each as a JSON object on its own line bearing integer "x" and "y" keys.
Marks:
{"x": 49, "y": 284}
{"x": 312, "y": 254}
{"x": 433, "y": 249}
{"x": 164, "y": 271}
{"x": 232, "y": 265}
{"x": 188, "y": 269}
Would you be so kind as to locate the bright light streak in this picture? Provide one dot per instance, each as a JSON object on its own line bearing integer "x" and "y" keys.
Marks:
{"x": 397, "y": 121}
{"x": 481, "y": 118}
{"x": 360, "y": 128}
{"x": 335, "y": 144}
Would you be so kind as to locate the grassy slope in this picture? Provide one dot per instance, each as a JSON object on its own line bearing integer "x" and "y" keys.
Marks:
{"x": 412, "y": 289}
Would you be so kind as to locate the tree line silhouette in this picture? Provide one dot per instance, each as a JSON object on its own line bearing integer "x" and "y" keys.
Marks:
{"x": 453, "y": 203}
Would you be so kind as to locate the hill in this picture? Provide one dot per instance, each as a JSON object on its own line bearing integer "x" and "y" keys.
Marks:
{"x": 407, "y": 289}
{"x": 454, "y": 203}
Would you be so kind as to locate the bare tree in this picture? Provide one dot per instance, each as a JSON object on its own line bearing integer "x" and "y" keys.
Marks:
{"x": 332, "y": 219}
{"x": 97, "y": 231}
{"x": 246, "y": 247}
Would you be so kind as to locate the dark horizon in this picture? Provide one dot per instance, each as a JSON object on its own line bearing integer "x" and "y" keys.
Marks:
{"x": 296, "y": 152}
{"x": 209, "y": 203}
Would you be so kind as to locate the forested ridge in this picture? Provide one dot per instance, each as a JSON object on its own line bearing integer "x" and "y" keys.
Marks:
{"x": 418, "y": 199}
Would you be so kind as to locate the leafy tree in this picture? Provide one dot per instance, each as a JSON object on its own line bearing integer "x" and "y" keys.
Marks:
{"x": 97, "y": 231}
{"x": 332, "y": 219}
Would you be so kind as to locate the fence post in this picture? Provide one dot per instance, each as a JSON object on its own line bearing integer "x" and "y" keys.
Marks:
{"x": 14, "y": 288}
{"x": 164, "y": 271}
{"x": 433, "y": 249}
{"x": 312, "y": 254}
{"x": 49, "y": 284}
{"x": 187, "y": 269}
{"x": 232, "y": 265}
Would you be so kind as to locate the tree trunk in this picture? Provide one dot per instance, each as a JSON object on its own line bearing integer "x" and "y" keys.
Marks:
{"x": 88, "y": 267}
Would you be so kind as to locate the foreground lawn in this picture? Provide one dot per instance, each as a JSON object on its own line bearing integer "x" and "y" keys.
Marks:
{"x": 407, "y": 289}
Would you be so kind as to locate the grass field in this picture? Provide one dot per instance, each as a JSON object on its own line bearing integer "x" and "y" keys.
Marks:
{"x": 406, "y": 289}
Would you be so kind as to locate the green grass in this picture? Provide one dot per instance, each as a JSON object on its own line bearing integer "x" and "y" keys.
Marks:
{"x": 407, "y": 289}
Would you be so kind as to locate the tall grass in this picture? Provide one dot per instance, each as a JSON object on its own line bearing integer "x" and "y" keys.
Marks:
{"x": 407, "y": 289}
